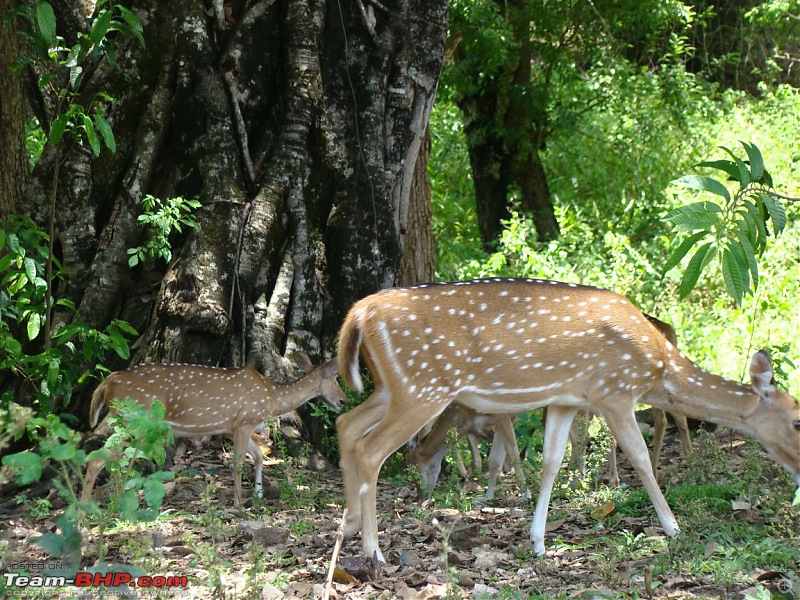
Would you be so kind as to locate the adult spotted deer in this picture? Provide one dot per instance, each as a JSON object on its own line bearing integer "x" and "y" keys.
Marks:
{"x": 202, "y": 400}
{"x": 505, "y": 346}
{"x": 429, "y": 450}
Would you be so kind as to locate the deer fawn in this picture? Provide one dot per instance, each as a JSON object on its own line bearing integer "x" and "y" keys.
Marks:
{"x": 506, "y": 346}
{"x": 203, "y": 400}
{"x": 431, "y": 446}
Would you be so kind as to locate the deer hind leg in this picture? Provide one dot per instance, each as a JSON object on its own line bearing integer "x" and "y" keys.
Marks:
{"x": 398, "y": 425}
{"x": 351, "y": 427}
{"x": 660, "y": 426}
{"x": 241, "y": 438}
{"x": 621, "y": 420}
{"x": 578, "y": 439}
{"x": 556, "y": 435}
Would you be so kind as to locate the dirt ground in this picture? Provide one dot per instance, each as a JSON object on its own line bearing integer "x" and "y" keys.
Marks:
{"x": 283, "y": 547}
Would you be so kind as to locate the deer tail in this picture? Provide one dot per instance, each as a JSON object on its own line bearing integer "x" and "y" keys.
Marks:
{"x": 350, "y": 337}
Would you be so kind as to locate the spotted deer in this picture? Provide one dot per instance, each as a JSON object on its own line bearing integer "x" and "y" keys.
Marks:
{"x": 202, "y": 400}
{"x": 505, "y": 346}
{"x": 431, "y": 446}
{"x": 578, "y": 432}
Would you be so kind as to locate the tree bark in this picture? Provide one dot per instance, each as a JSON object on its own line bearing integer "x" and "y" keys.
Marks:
{"x": 297, "y": 124}
{"x": 419, "y": 259}
{"x": 13, "y": 114}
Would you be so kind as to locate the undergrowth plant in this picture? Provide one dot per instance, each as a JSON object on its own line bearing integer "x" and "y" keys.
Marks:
{"x": 138, "y": 434}
{"x": 160, "y": 218}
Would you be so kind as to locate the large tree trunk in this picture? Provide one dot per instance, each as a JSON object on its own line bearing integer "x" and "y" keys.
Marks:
{"x": 297, "y": 124}
{"x": 13, "y": 114}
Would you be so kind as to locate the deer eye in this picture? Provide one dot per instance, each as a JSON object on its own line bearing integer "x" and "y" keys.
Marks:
{"x": 796, "y": 424}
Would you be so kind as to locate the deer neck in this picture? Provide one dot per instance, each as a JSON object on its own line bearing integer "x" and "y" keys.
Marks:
{"x": 290, "y": 396}
{"x": 693, "y": 391}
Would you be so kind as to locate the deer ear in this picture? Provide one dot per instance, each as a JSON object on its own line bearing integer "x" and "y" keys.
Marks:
{"x": 331, "y": 367}
{"x": 303, "y": 362}
{"x": 762, "y": 378}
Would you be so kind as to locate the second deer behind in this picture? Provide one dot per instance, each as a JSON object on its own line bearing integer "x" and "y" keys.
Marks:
{"x": 202, "y": 400}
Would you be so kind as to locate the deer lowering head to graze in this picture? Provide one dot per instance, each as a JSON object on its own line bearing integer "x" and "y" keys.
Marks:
{"x": 506, "y": 346}
{"x": 203, "y": 400}
{"x": 429, "y": 450}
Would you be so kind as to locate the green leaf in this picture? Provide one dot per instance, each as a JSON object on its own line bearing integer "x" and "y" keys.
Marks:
{"x": 153, "y": 493}
{"x": 30, "y": 268}
{"x": 737, "y": 252}
{"x": 703, "y": 184}
{"x": 727, "y": 166}
{"x": 105, "y": 130}
{"x": 57, "y": 128}
{"x": 75, "y": 76}
{"x": 28, "y": 466}
{"x": 681, "y": 250}
{"x": 133, "y": 23}
{"x": 697, "y": 215}
{"x": 99, "y": 454}
{"x": 749, "y": 254}
{"x": 744, "y": 172}
{"x": 732, "y": 275}
{"x": 46, "y": 21}
{"x": 100, "y": 26}
{"x": 52, "y": 543}
{"x": 73, "y": 57}
{"x": 756, "y": 161}
{"x": 776, "y": 212}
{"x": 125, "y": 326}
{"x": 63, "y": 452}
{"x": 758, "y": 221}
{"x": 34, "y": 325}
{"x": 91, "y": 135}
{"x": 695, "y": 267}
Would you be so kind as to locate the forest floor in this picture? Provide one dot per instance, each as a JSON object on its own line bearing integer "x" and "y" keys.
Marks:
{"x": 472, "y": 548}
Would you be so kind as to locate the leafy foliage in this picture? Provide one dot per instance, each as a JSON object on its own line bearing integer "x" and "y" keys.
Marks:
{"x": 139, "y": 434}
{"x": 76, "y": 349}
{"x": 64, "y": 67}
{"x": 161, "y": 217}
{"x": 735, "y": 231}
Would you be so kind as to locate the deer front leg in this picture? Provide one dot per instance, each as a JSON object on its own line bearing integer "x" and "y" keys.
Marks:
{"x": 621, "y": 420}
{"x": 241, "y": 439}
{"x": 351, "y": 427}
{"x": 497, "y": 456}
{"x": 683, "y": 430}
{"x": 659, "y": 428}
{"x": 556, "y": 435}
{"x": 505, "y": 444}
{"x": 93, "y": 469}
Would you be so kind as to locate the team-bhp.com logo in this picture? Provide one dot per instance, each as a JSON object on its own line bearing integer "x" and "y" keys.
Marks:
{"x": 114, "y": 579}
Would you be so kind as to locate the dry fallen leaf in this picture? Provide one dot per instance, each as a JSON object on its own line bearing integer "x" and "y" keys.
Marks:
{"x": 601, "y": 512}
